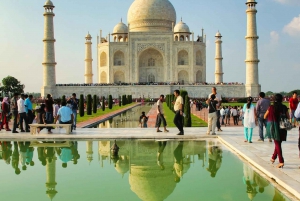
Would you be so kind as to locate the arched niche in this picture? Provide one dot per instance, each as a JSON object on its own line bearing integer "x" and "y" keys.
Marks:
{"x": 183, "y": 77}
{"x": 103, "y": 77}
{"x": 119, "y": 58}
{"x": 183, "y": 57}
{"x": 199, "y": 76}
{"x": 199, "y": 61}
{"x": 103, "y": 59}
{"x": 119, "y": 77}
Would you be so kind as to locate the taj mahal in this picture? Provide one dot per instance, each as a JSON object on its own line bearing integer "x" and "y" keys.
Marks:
{"x": 153, "y": 54}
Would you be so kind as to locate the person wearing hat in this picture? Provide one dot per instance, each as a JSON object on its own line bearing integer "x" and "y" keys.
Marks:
{"x": 250, "y": 119}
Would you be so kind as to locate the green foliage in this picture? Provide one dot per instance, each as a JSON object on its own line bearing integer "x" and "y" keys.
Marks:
{"x": 187, "y": 121}
{"x": 242, "y": 100}
{"x": 103, "y": 103}
{"x": 11, "y": 85}
{"x": 124, "y": 101}
{"x": 81, "y": 105}
{"x": 269, "y": 93}
{"x": 63, "y": 98}
{"x": 89, "y": 105}
{"x": 120, "y": 101}
{"x": 110, "y": 102}
{"x": 224, "y": 100}
{"x": 183, "y": 94}
{"x": 167, "y": 99}
{"x": 95, "y": 103}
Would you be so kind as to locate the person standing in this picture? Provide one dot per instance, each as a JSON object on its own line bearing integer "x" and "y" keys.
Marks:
{"x": 74, "y": 103}
{"x": 249, "y": 119}
{"x": 28, "y": 110}
{"x": 5, "y": 114}
{"x": 64, "y": 115}
{"x": 222, "y": 113}
{"x": 49, "y": 110}
{"x": 160, "y": 115}
{"x": 234, "y": 113}
{"x": 212, "y": 115}
{"x": 293, "y": 103}
{"x": 14, "y": 111}
{"x": 178, "y": 107}
{"x": 219, "y": 99}
{"x": 262, "y": 106}
{"x": 56, "y": 107}
{"x": 22, "y": 113}
{"x": 273, "y": 115}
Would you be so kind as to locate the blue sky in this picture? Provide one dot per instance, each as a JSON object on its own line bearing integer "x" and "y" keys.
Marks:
{"x": 21, "y": 46}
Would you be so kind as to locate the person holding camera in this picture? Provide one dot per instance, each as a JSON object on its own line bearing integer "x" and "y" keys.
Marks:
{"x": 212, "y": 114}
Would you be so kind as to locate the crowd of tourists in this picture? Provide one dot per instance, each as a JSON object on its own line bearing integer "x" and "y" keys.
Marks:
{"x": 20, "y": 109}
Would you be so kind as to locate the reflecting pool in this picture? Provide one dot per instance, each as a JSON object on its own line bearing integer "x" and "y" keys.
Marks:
{"x": 127, "y": 119}
{"x": 128, "y": 170}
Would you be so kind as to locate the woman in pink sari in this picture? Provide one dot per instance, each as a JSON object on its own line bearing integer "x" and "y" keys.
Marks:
{"x": 273, "y": 116}
{"x": 5, "y": 114}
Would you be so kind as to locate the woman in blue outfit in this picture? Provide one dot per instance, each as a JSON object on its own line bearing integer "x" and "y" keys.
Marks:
{"x": 249, "y": 119}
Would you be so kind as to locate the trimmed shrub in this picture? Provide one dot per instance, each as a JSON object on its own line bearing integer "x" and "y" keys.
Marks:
{"x": 81, "y": 105}
{"x": 89, "y": 105}
{"x": 110, "y": 102}
{"x": 120, "y": 101}
{"x": 95, "y": 103}
{"x": 103, "y": 103}
{"x": 187, "y": 121}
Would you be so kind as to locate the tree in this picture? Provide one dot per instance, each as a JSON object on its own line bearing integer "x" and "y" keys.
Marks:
{"x": 167, "y": 99}
{"x": 12, "y": 85}
{"x": 124, "y": 100}
{"x": 187, "y": 121}
{"x": 89, "y": 105}
{"x": 81, "y": 106}
{"x": 110, "y": 102}
{"x": 120, "y": 102}
{"x": 95, "y": 103}
{"x": 103, "y": 103}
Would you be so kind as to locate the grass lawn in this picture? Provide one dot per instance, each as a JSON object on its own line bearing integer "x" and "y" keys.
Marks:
{"x": 169, "y": 115}
{"x": 100, "y": 112}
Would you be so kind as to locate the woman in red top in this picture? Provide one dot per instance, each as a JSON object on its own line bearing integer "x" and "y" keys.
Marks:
{"x": 5, "y": 114}
{"x": 293, "y": 103}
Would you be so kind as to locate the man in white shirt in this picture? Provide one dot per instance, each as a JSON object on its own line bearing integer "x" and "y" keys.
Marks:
{"x": 22, "y": 112}
{"x": 178, "y": 107}
{"x": 219, "y": 99}
{"x": 160, "y": 115}
{"x": 222, "y": 113}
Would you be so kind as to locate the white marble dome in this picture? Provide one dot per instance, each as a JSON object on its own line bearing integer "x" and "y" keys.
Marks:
{"x": 49, "y": 3}
{"x": 151, "y": 16}
{"x": 181, "y": 27}
{"x": 120, "y": 28}
{"x": 218, "y": 34}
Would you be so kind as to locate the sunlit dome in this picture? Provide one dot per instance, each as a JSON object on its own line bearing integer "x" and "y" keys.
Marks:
{"x": 218, "y": 34}
{"x": 151, "y": 15}
{"x": 49, "y": 3}
{"x": 120, "y": 28}
{"x": 181, "y": 27}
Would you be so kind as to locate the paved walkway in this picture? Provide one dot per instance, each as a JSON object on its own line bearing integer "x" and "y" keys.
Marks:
{"x": 152, "y": 116}
{"x": 103, "y": 117}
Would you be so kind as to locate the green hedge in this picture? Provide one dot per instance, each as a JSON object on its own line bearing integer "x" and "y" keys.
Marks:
{"x": 95, "y": 103}
{"x": 110, "y": 102}
{"x": 81, "y": 105}
{"x": 89, "y": 105}
{"x": 103, "y": 103}
{"x": 187, "y": 121}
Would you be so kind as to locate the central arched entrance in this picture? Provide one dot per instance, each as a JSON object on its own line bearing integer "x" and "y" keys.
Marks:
{"x": 151, "y": 66}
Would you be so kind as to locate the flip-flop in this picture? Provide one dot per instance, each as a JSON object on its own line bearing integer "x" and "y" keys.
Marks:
{"x": 166, "y": 131}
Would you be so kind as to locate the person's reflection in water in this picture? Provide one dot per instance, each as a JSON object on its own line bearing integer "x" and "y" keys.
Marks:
{"x": 23, "y": 149}
{"x": 41, "y": 155}
{"x": 261, "y": 182}
{"x": 6, "y": 151}
{"x": 15, "y": 159}
{"x": 75, "y": 153}
{"x": 29, "y": 156}
{"x": 278, "y": 196}
{"x": 65, "y": 155}
{"x": 49, "y": 154}
{"x": 249, "y": 181}
{"x": 214, "y": 159}
{"x": 160, "y": 157}
{"x": 178, "y": 164}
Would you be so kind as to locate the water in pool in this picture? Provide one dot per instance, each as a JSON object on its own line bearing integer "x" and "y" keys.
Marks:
{"x": 128, "y": 170}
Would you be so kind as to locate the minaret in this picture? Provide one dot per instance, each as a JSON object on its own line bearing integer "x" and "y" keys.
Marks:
{"x": 218, "y": 59}
{"x": 51, "y": 183}
{"x": 252, "y": 85}
{"x": 89, "y": 151}
{"x": 88, "y": 60}
{"x": 49, "y": 53}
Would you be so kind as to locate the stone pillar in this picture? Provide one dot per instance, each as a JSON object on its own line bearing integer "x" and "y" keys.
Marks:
{"x": 218, "y": 59}
{"x": 49, "y": 52}
{"x": 252, "y": 86}
{"x": 88, "y": 60}
{"x": 51, "y": 181}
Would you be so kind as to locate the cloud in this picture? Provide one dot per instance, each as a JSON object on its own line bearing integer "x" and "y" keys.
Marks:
{"x": 274, "y": 37}
{"x": 290, "y": 2}
{"x": 293, "y": 28}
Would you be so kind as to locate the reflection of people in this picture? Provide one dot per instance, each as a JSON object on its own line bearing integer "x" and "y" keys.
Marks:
{"x": 23, "y": 149}
{"x": 249, "y": 181}
{"x": 160, "y": 157}
{"x": 261, "y": 182}
{"x": 15, "y": 159}
{"x": 41, "y": 155}
{"x": 215, "y": 159}
{"x": 65, "y": 155}
{"x": 178, "y": 164}
{"x": 278, "y": 196}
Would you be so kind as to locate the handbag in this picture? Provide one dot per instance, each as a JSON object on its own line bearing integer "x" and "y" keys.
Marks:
{"x": 284, "y": 123}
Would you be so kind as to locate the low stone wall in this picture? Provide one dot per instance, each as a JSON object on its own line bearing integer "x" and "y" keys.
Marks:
{"x": 150, "y": 91}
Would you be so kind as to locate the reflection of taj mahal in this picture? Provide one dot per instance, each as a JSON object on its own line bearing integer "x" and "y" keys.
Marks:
{"x": 152, "y": 48}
